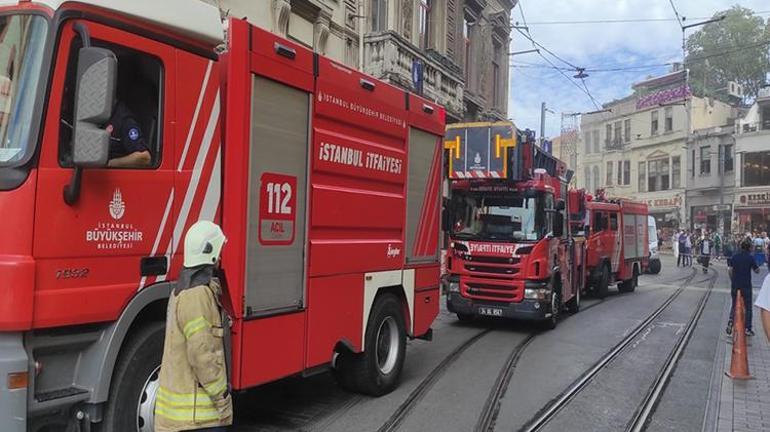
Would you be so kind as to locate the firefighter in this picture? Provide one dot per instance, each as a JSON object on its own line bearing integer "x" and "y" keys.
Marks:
{"x": 128, "y": 148}
{"x": 194, "y": 387}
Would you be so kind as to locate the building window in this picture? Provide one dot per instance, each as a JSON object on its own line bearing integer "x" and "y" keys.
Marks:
{"x": 728, "y": 157}
{"x": 587, "y": 178}
{"x": 642, "y": 176}
{"x": 692, "y": 168}
{"x": 705, "y": 160}
{"x": 425, "y": 22}
{"x": 587, "y": 142}
{"x": 609, "y": 174}
{"x": 467, "y": 41}
{"x": 596, "y": 177}
{"x": 669, "y": 125}
{"x": 496, "y": 78}
{"x": 676, "y": 168}
{"x": 620, "y": 173}
{"x": 627, "y": 130}
{"x": 658, "y": 177}
{"x": 379, "y": 15}
{"x": 596, "y": 141}
{"x": 756, "y": 169}
{"x": 627, "y": 172}
{"x": 618, "y": 139}
{"x": 608, "y": 136}
{"x": 654, "y": 123}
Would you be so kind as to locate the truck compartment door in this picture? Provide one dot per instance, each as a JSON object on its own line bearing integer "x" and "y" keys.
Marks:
{"x": 275, "y": 276}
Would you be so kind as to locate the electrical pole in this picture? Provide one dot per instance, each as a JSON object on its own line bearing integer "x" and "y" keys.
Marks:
{"x": 542, "y": 124}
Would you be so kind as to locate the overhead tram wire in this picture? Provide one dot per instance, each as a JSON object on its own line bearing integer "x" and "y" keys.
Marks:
{"x": 528, "y": 35}
{"x": 676, "y": 13}
{"x": 622, "y": 20}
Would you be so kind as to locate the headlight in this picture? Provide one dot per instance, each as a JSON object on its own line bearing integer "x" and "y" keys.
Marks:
{"x": 454, "y": 287}
{"x": 536, "y": 293}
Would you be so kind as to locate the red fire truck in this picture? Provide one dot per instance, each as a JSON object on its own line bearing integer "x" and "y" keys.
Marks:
{"x": 326, "y": 182}
{"x": 509, "y": 253}
{"x": 618, "y": 250}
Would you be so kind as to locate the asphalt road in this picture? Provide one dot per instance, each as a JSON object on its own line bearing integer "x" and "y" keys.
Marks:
{"x": 453, "y": 397}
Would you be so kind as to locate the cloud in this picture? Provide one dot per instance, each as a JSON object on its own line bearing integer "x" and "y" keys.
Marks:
{"x": 596, "y": 46}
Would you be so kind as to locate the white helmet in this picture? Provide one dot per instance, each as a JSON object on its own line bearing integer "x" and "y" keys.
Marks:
{"x": 203, "y": 244}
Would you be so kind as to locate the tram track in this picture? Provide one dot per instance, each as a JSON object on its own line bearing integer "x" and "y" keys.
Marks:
{"x": 544, "y": 416}
{"x": 492, "y": 404}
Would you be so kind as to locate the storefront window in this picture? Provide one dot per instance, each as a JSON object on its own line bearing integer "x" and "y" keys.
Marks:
{"x": 756, "y": 169}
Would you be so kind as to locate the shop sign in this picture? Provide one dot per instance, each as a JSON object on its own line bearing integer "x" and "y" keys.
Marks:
{"x": 664, "y": 96}
{"x": 674, "y": 201}
{"x": 755, "y": 199}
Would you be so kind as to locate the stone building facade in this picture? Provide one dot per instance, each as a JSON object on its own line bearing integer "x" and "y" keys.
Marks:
{"x": 460, "y": 45}
{"x": 638, "y": 149}
{"x": 751, "y": 204}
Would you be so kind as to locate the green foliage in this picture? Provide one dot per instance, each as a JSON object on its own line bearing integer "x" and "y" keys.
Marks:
{"x": 734, "y": 49}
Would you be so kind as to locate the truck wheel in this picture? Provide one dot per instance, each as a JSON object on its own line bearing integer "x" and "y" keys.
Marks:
{"x": 465, "y": 317}
{"x": 629, "y": 285}
{"x": 556, "y": 305}
{"x": 135, "y": 382}
{"x": 377, "y": 370}
{"x": 654, "y": 267}
{"x": 603, "y": 285}
{"x": 573, "y": 306}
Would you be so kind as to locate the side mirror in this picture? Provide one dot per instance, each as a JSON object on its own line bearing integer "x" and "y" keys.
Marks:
{"x": 558, "y": 225}
{"x": 446, "y": 225}
{"x": 94, "y": 98}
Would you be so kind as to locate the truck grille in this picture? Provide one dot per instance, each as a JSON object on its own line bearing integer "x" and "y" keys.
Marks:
{"x": 502, "y": 290}
{"x": 493, "y": 266}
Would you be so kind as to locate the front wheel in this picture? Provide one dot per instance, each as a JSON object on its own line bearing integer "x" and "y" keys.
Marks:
{"x": 377, "y": 370}
{"x": 551, "y": 322}
{"x": 654, "y": 267}
{"x": 603, "y": 286}
{"x": 135, "y": 382}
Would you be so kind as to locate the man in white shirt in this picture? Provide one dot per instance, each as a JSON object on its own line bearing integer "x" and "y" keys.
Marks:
{"x": 763, "y": 303}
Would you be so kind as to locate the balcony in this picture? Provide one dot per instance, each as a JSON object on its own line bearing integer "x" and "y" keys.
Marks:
{"x": 390, "y": 57}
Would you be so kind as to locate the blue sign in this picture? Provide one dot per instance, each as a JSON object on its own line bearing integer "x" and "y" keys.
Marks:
{"x": 417, "y": 76}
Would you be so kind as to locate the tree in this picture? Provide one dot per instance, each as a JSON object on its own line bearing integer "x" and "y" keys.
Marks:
{"x": 736, "y": 48}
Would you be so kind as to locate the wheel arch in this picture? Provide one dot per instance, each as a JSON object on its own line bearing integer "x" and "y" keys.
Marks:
{"x": 399, "y": 283}
{"x": 148, "y": 305}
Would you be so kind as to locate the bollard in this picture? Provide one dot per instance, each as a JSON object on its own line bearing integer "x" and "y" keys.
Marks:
{"x": 739, "y": 363}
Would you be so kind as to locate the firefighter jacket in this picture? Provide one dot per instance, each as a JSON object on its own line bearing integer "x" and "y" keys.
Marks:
{"x": 194, "y": 391}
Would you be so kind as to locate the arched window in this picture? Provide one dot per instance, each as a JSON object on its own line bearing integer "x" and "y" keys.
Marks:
{"x": 587, "y": 179}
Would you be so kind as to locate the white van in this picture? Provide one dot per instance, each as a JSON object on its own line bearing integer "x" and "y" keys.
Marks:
{"x": 654, "y": 265}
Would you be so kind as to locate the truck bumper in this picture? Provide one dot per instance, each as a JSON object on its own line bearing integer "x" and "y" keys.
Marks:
{"x": 13, "y": 403}
{"x": 527, "y": 309}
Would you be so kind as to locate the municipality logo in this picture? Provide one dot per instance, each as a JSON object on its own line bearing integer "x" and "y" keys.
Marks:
{"x": 117, "y": 206}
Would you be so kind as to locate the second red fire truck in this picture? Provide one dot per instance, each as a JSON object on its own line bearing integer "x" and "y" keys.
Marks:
{"x": 509, "y": 253}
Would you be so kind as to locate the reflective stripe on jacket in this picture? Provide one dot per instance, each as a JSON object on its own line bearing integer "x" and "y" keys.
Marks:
{"x": 193, "y": 390}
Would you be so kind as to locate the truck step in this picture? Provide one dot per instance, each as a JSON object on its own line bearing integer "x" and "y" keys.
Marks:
{"x": 58, "y": 394}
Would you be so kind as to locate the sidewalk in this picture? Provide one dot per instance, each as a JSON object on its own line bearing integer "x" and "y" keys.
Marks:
{"x": 744, "y": 406}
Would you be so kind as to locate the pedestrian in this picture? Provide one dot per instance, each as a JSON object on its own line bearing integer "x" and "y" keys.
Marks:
{"x": 717, "y": 246}
{"x": 681, "y": 240}
{"x": 688, "y": 249}
{"x": 759, "y": 248}
{"x": 705, "y": 247}
{"x": 763, "y": 303}
{"x": 740, "y": 267}
{"x": 766, "y": 249}
{"x": 194, "y": 392}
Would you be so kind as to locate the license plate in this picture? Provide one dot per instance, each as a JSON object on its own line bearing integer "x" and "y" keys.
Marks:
{"x": 495, "y": 312}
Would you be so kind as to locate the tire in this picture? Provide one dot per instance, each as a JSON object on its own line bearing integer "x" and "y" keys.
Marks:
{"x": 135, "y": 382}
{"x": 631, "y": 284}
{"x": 654, "y": 267}
{"x": 556, "y": 305}
{"x": 377, "y": 370}
{"x": 603, "y": 285}
{"x": 465, "y": 317}
{"x": 573, "y": 306}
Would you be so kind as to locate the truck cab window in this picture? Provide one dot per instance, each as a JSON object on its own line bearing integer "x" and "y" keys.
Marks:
{"x": 136, "y": 117}
{"x": 598, "y": 222}
{"x": 613, "y": 221}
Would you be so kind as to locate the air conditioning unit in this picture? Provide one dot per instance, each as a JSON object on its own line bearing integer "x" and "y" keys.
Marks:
{"x": 734, "y": 89}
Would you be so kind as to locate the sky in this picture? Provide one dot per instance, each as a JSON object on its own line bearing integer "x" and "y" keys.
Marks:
{"x": 596, "y": 46}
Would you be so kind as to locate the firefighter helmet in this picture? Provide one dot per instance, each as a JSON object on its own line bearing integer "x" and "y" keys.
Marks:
{"x": 203, "y": 244}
